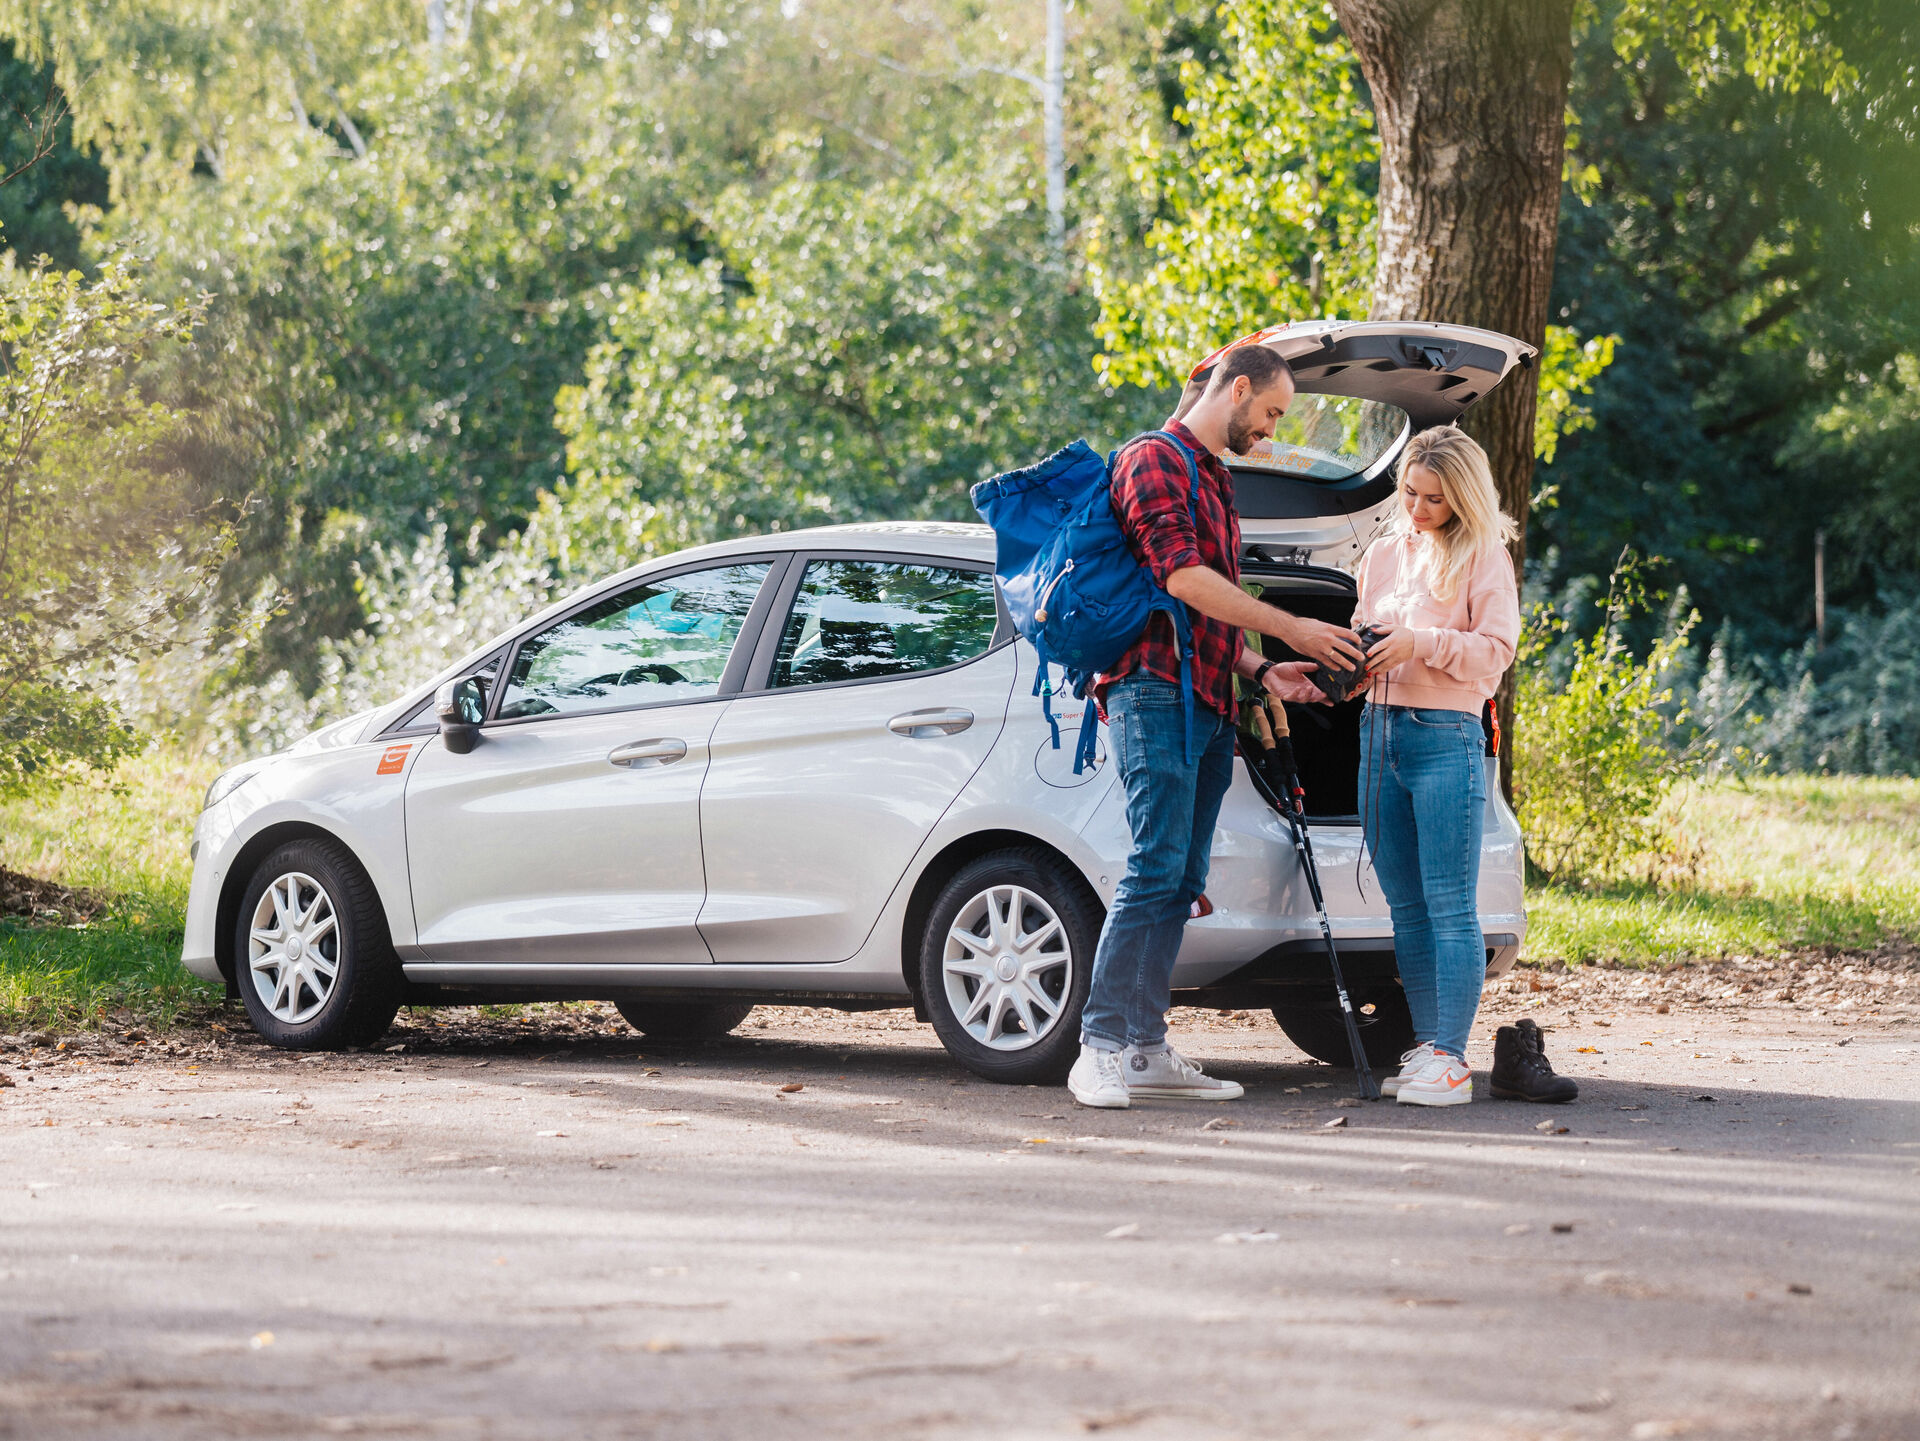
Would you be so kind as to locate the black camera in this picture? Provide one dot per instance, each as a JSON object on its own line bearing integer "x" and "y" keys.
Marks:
{"x": 1338, "y": 685}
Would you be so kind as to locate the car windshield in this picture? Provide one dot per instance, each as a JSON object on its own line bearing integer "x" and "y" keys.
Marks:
{"x": 1328, "y": 438}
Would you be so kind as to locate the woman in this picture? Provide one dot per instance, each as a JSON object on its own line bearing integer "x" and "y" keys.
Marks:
{"x": 1441, "y": 585}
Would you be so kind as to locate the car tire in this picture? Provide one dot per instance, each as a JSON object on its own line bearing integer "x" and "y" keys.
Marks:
{"x": 1011, "y": 1036}
{"x": 1314, "y": 1024}
{"x": 313, "y": 959}
{"x": 684, "y": 1020}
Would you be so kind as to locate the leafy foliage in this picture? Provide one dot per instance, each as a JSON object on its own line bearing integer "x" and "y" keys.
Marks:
{"x": 1756, "y": 250}
{"x": 1599, "y": 743}
{"x": 1265, "y": 205}
{"x": 841, "y": 355}
{"x": 1265, "y": 211}
{"x": 103, "y": 541}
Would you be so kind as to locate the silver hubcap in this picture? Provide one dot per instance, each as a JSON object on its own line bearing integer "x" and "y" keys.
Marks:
{"x": 1007, "y": 968}
{"x": 293, "y": 948}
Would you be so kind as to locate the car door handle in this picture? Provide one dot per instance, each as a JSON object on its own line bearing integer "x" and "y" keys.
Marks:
{"x": 922, "y": 724}
{"x": 659, "y": 752}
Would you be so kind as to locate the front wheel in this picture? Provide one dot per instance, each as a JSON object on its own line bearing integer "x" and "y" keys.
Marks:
{"x": 313, "y": 959}
{"x": 1314, "y": 1024}
{"x": 1005, "y": 964}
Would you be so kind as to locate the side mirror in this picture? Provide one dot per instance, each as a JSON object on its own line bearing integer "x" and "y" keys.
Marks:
{"x": 461, "y": 705}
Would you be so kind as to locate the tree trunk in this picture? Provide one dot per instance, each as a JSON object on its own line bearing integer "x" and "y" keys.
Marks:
{"x": 1471, "y": 98}
{"x": 1053, "y": 110}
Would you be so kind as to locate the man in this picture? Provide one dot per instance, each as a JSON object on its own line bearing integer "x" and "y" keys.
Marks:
{"x": 1174, "y": 795}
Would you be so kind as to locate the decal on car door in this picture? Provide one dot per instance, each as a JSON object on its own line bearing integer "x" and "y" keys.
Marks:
{"x": 394, "y": 759}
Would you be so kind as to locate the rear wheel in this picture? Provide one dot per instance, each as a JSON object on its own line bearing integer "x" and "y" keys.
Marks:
{"x": 313, "y": 958}
{"x": 684, "y": 1020}
{"x": 1314, "y": 1024}
{"x": 1005, "y": 964}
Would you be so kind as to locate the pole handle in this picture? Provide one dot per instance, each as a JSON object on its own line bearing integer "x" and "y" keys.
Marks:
{"x": 1261, "y": 728}
{"x": 1277, "y": 712}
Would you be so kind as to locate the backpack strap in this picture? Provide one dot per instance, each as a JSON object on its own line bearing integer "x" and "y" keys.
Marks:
{"x": 1182, "y": 623}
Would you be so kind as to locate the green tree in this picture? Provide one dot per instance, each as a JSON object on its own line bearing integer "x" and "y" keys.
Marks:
{"x": 843, "y": 354}
{"x": 104, "y": 542}
{"x": 42, "y": 171}
{"x": 1757, "y": 249}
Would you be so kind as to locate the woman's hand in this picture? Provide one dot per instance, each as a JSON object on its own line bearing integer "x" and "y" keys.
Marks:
{"x": 1288, "y": 681}
{"x": 1393, "y": 649}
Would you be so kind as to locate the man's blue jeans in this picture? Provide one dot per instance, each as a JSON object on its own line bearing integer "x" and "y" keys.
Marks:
{"x": 1172, "y": 804}
{"x": 1423, "y": 795}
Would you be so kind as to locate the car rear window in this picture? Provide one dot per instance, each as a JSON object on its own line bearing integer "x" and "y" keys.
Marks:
{"x": 1327, "y": 438}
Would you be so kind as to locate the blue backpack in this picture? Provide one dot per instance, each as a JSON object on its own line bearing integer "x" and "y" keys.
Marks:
{"x": 1072, "y": 585}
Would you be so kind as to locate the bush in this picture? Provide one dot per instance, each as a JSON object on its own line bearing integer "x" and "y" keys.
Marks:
{"x": 1853, "y": 708}
{"x": 1600, "y": 742}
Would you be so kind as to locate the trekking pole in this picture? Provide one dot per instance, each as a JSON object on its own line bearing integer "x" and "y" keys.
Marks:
{"x": 1270, "y": 724}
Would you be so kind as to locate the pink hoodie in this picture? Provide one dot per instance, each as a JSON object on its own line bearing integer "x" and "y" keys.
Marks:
{"x": 1461, "y": 647}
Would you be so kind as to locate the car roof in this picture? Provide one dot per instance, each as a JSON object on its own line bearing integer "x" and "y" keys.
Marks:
{"x": 956, "y": 540}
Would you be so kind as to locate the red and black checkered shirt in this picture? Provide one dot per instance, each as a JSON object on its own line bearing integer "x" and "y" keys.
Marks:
{"x": 1150, "y": 488}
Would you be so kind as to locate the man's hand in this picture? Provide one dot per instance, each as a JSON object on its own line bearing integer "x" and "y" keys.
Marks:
{"x": 1395, "y": 649}
{"x": 1288, "y": 681}
{"x": 1330, "y": 645}
{"x": 1213, "y": 595}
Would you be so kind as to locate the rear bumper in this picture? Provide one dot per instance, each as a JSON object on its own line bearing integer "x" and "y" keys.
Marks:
{"x": 1365, "y": 961}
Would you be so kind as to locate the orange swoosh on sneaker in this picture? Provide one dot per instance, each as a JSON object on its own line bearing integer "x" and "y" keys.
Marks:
{"x": 1456, "y": 1085}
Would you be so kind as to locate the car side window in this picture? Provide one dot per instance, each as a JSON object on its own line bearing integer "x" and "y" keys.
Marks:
{"x": 664, "y": 640}
{"x": 864, "y": 619}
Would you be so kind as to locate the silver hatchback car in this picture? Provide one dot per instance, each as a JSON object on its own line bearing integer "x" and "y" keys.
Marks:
{"x": 813, "y": 768}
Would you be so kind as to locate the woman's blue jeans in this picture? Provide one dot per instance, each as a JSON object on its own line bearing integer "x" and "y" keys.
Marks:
{"x": 1423, "y": 793}
{"x": 1172, "y": 805}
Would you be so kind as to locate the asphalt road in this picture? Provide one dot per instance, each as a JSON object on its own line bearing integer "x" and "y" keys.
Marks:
{"x": 495, "y": 1234}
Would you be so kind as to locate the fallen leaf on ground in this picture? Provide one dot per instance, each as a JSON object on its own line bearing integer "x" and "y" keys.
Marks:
{"x": 1123, "y": 1233}
{"x": 791, "y": 1087}
{"x": 1335, "y": 1124}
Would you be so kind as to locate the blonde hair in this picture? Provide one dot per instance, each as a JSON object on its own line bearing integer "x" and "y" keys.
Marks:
{"x": 1466, "y": 480}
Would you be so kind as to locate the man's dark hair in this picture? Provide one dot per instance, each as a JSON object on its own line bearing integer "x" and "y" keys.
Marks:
{"x": 1260, "y": 365}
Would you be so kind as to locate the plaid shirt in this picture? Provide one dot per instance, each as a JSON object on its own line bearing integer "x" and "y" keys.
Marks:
{"x": 1150, "y": 488}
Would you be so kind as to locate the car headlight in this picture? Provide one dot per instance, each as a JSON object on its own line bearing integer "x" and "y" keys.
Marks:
{"x": 227, "y": 782}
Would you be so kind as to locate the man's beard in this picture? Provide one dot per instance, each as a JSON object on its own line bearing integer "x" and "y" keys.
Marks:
{"x": 1240, "y": 429}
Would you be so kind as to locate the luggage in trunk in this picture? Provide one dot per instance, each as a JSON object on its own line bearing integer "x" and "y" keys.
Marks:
{"x": 1326, "y": 739}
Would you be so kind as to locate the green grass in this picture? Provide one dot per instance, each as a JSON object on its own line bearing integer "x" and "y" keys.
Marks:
{"x": 1802, "y": 861}
{"x": 131, "y": 848}
{"x": 1788, "y": 862}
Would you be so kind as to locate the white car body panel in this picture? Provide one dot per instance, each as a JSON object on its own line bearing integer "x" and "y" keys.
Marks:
{"x": 332, "y": 785}
{"x": 813, "y": 807}
{"x": 535, "y": 847}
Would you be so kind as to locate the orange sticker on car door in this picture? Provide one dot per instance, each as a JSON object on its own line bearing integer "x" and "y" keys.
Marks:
{"x": 394, "y": 760}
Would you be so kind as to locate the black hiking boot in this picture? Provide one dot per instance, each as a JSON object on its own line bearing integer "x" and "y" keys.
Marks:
{"x": 1521, "y": 1071}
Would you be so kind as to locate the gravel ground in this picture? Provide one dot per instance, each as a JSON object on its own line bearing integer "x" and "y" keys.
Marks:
{"x": 499, "y": 1226}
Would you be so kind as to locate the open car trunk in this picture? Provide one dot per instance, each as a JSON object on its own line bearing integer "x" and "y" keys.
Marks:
{"x": 1326, "y": 739}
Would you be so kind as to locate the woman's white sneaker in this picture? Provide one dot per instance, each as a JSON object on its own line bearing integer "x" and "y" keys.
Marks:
{"x": 1095, "y": 1080}
{"x": 1443, "y": 1081}
{"x": 1168, "y": 1075}
{"x": 1410, "y": 1064}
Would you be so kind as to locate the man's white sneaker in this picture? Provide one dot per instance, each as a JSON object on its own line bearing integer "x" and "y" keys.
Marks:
{"x": 1443, "y": 1081}
{"x": 1410, "y": 1064}
{"x": 1095, "y": 1080}
{"x": 1168, "y": 1075}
